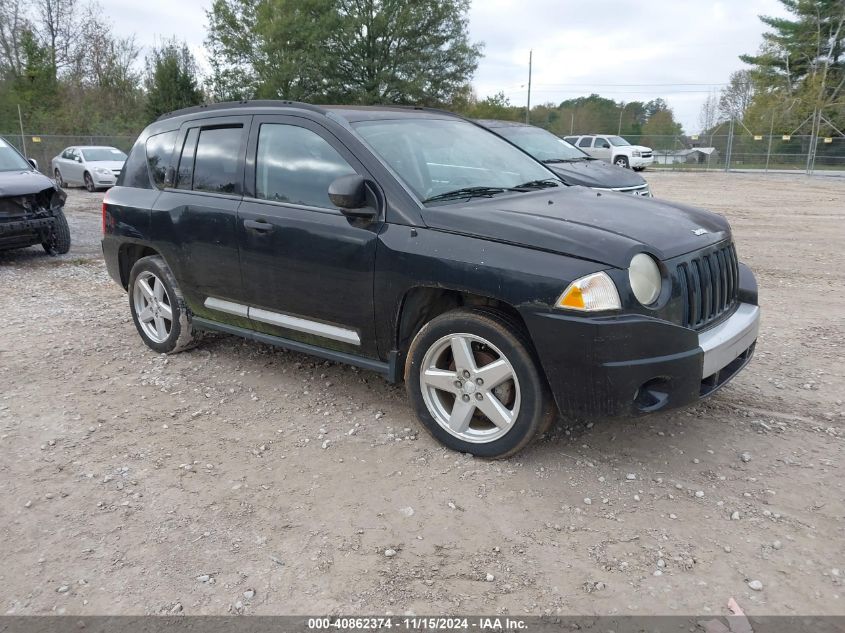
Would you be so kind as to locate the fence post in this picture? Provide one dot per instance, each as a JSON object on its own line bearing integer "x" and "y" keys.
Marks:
{"x": 729, "y": 148}
{"x": 769, "y": 150}
{"x": 811, "y": 150}
{"x": 23, "y": 140}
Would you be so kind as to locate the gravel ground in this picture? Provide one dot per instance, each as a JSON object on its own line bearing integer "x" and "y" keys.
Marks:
{"x": 240, "y": 478}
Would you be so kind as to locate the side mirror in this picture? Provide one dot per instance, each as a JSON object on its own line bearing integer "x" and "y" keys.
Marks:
{"x": 349, "y": 194}
{"x": 33, "y": 162}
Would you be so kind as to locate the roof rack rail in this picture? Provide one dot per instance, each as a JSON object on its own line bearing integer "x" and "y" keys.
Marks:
{"x": 245, "y": 103}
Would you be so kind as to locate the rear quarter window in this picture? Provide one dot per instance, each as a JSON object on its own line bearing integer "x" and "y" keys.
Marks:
{"x": 134, "y": 172}
{"x": 159, "y": 154}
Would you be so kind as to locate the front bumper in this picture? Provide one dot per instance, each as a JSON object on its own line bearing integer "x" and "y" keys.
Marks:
{"x": 25, "y": 232}
{"x": 632, "y": 364}
{"x": 641, "y": 161}
{"x": 104, "y": 180}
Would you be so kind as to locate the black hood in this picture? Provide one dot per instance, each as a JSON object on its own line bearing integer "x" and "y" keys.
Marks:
{"x": 596, "y": 173}
{"x": 21, "y": 183}
{"x": 605, "y": 227}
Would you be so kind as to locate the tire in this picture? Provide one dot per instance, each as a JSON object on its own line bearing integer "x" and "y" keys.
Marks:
{"x": 89, "y": 183}
{"x": 621, "y": 161}
{"x": 166, "y": 336}
{"x": 58, "y": 242}
{"x": 439, "y": 359}
{"x": 59, "y": 180}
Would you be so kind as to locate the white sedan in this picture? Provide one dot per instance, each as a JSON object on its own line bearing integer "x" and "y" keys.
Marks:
{"x": 94, "y": 167}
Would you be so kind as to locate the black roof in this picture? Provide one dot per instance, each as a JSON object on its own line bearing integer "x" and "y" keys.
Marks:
{"x": 349, "y": 112}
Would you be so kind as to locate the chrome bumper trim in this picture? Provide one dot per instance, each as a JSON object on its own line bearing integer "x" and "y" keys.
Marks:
{"x": 725, "y": 342}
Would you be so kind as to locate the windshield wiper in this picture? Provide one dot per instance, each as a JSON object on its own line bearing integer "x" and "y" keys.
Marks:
{"x": 544, "y": 183}
{"x": 470, "y": 192}
{"x": 560, "y": 160}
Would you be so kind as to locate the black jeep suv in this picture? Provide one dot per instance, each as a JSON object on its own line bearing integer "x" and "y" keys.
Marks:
{"x": 30, "y": 206}
{"x": 420, "y": 245}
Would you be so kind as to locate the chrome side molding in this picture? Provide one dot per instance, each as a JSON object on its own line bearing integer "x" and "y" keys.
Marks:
{"x": 307, "y": 326}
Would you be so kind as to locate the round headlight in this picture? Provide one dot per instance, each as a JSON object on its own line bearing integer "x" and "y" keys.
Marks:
{"x": 645, "y": 278}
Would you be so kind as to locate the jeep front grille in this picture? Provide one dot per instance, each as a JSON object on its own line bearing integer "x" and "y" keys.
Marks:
{"x": 709, "y": 283}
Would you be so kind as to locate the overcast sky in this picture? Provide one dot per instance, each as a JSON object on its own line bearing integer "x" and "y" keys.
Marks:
{"x": 675, "y": 49}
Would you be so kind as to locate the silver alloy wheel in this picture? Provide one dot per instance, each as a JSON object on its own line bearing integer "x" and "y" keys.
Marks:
{"x": 621, "y": 162}
{"x": 152, "y": 306}
{"x": 474, "y": 400}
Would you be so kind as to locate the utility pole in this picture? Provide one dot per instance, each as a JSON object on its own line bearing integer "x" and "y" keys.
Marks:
{"x": 619, "y": 128}
{"x": 528, "y": 107}
{"x": 23, "y": 140}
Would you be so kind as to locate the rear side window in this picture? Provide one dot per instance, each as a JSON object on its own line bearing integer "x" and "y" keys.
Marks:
{"x": 134, "y": 172}
{"x": 296, "y": 165}
{"x": 216, "y": 160}
{"x": 585, "y": 142}
{"x": 159, "y": 151}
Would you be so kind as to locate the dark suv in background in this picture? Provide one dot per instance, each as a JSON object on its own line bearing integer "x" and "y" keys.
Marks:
{"x": 420, "y": 245}
{"x": 572, "y": 166}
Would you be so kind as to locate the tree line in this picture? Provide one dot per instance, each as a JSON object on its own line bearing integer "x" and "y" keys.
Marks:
{"x": 795, "y": 83}
{"x": 62, "y": 64}
{"x": 66, "y": 70}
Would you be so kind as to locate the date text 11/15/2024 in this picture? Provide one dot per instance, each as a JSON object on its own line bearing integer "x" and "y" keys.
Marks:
{"x": 416, "y": 623}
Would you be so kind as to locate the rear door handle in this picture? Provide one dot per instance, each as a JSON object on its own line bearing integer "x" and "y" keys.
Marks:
{"x": 258, "y": 225}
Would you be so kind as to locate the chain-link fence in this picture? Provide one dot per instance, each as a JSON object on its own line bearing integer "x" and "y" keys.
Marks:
{"x": 723, "y": 151}
{"x": 44, "y": 147}
{"x": 776, "y": 152}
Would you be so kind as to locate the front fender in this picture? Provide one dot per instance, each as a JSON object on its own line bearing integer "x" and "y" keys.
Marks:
{"x": 408, "y": 258}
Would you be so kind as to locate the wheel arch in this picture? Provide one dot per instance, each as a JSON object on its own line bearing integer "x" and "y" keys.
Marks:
{"x": 421, "y": 304}
{"x": 127, "y": 255}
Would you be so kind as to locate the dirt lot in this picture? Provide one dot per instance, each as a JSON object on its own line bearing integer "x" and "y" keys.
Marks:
{"x": 240, "y": 478}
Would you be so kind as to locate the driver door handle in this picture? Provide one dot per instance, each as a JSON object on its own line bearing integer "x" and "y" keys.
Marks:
{"x": 258, "y": 225}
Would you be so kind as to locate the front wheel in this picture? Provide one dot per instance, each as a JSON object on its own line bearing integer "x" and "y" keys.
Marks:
{"x": 89, "y": 183}
{"x": 158, "y": 308}
{"x": 621, "y": 161}
{"x": 58, "y": 176}
{"x": 58, "y": 241}
{"x": 475, "y": 384}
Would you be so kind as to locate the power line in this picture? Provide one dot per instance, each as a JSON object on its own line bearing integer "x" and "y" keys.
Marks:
{"x": 618, "y": 92}
{"x": 715, "y": 83}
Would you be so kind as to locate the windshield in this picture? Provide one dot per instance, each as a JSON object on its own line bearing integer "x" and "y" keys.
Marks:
{"x": 10, "y": 160}
{"x": 541, "y": 144}
{"x": 617, "y": 141}
{"x": 95, "y": 154}
{"x": 437, "y": 156}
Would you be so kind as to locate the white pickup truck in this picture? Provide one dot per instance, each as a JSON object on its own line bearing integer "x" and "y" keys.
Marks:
{"x": 615, "y": 150}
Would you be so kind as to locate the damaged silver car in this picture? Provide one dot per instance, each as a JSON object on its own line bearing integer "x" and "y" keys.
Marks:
{"x": 31, "y": 206}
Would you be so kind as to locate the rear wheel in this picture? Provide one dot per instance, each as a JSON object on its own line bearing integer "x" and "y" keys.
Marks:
{"x": 58, "y": 242}
{"x": 89, "y": 183}
{"x": 621, "y": 161}
{"x": 158, "y": 308}
{"x": 475, "y": 384}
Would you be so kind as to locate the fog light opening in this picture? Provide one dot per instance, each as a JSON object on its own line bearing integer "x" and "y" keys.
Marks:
{"x": 652, "y": 395}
